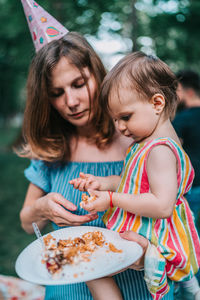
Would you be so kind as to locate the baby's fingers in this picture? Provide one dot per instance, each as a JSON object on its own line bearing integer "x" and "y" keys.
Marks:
{"x": 76, "y": 182}
{"x": 93, "y": 192}
{"x": 83, "y": 185}
{"x": 83, "y": 175}
{"x": 89, "y": 207}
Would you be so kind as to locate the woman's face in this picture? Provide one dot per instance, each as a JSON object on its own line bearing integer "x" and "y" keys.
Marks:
{"x": 69, "y": 92}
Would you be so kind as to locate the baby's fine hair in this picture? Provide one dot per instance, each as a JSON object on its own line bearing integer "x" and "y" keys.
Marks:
{"x": 146, "y": 74}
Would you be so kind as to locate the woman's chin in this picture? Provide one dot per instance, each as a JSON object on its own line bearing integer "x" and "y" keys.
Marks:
{"x": 82, "y": 122}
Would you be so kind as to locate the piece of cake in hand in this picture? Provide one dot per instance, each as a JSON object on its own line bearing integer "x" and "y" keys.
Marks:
{"x": 86, "y": 199}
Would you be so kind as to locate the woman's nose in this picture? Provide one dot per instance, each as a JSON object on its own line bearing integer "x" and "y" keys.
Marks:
{"x": 70, "y": 99}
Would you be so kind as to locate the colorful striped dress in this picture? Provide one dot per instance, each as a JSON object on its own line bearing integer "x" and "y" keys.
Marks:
{"x": 175, "y": 238}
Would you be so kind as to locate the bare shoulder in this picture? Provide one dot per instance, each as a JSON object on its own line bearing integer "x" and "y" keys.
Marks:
{"x": 161, "y": 155}
{"x": 115, "y": 151}
{"x": 122, "y": 141}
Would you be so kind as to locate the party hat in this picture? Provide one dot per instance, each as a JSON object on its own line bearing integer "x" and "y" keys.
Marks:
{"x": 43, "y": 27}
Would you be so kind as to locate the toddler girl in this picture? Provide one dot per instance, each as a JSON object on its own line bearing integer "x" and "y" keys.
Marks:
{"x": 140, "y": 94}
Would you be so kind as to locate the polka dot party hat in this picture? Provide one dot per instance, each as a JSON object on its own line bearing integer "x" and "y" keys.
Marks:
{"x": 43, "y": 27}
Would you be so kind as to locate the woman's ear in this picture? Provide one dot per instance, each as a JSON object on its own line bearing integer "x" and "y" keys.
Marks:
{"x": 158, "y": 102}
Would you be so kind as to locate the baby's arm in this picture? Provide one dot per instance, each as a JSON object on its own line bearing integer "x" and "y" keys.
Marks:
{"x": 88, "y": 181}
{"x": 160, "y": 201}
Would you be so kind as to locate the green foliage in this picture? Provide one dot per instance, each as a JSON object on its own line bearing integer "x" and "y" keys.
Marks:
{"x": 12, "y": 237}
{"x": 174, "y": 34}
{"x": 16, "y": 48}
{"x": 15, "y": 55}
{"x": 13, "y": 186}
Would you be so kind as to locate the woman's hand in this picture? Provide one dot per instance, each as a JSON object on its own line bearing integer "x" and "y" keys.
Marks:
{"x": 57, "y": 209}
{"x": 85, "y": 182}
{"x": 142, "y": 241}
{"x": 40, "y": 208}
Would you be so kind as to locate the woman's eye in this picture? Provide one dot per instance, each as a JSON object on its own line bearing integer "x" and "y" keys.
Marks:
{"x": 79, "y": 85}
{"x": 56, "y": 94}
{"x": 125, "y": 118}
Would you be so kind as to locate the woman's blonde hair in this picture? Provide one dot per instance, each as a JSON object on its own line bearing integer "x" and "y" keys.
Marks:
{"x": 47, "y": 135}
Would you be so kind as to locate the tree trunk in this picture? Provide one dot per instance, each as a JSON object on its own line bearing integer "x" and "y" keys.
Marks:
{"x": 134, "y": 25}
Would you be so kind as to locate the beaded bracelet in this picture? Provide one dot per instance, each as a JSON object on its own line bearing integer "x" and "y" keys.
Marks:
{"x": 110, "y": 194}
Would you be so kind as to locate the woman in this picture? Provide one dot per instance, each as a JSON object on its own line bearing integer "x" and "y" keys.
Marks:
{"x": 63, "y": 139}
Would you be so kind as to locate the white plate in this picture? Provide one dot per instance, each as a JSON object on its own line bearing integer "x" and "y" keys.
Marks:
{"x": 29, "y": 267}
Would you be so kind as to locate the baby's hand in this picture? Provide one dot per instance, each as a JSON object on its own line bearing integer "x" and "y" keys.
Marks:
{"x": 98, "y": 201}
{"x": 85, "y": 182}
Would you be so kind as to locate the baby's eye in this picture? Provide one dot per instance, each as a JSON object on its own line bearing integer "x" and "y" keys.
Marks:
{"x": 125, "y": 118}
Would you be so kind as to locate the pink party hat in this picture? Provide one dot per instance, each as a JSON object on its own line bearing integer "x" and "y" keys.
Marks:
{"x": 43, "y": 27}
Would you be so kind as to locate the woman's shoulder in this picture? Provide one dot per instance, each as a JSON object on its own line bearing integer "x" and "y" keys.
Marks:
{"x": 120, "y": 144}
{"x": 88, "y": 152}
{"x": 123, "y": 141}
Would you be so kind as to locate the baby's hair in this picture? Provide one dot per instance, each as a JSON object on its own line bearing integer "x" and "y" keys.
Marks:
{"x": 147, "y": 74}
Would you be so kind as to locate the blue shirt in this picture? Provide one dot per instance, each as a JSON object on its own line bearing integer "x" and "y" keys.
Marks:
{"x": 186, "y": 124}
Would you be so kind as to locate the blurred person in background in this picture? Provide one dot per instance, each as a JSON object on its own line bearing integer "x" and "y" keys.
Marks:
{"x": 186, "y": 124}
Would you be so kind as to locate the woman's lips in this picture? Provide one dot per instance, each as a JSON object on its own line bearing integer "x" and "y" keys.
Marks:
{"x": 77, "y": 115}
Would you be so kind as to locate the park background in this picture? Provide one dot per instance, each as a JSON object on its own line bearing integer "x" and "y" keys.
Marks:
{"x": 168, "y": 29}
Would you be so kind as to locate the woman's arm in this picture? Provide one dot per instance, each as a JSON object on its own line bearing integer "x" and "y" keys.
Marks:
{"x": 40, "y": 208}
{"x": 29, "y": 212}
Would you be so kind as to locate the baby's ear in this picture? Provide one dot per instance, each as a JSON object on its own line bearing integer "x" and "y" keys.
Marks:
{"x": 158, "y": 102}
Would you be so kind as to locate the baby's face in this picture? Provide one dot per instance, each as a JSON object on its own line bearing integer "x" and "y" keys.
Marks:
{"x": 134, "y": 116}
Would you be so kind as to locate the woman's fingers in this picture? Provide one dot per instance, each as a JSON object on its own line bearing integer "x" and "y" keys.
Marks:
{"x": 67, "y": 218}
{"x": 62, "y": 222}
{"x": 58, "y": 209}
{"x": 142, "y": 241}
{"x": 58, "y": 198}
{"x": 135, "y": 237}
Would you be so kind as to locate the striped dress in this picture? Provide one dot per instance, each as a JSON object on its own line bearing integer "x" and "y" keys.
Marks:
{"x": 175, "y": 238}
{"x": 52, "y": 178}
